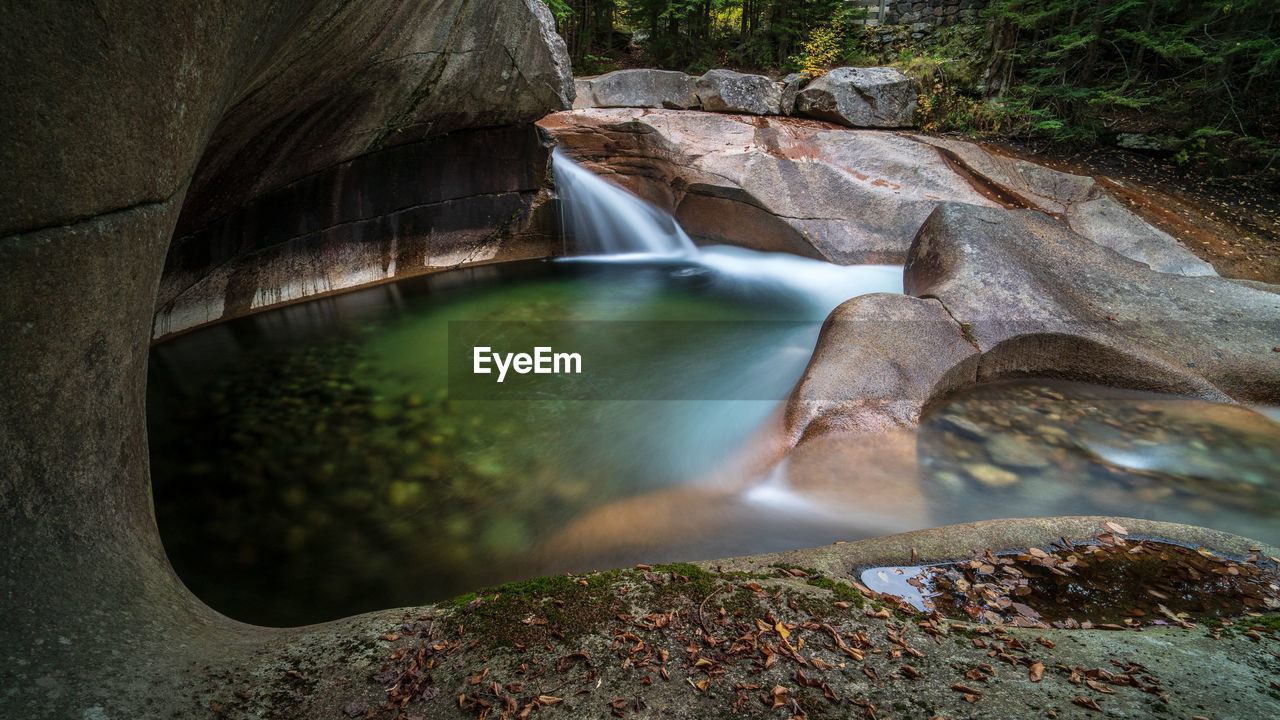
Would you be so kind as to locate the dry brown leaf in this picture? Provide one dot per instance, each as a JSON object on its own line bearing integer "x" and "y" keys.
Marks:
{"x": 1037, "y": 672}
{"x": 1099, "y": 687}
{"x": 1085, "y": 702}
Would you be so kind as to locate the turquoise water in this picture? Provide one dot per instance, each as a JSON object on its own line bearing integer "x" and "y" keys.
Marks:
{"x": 310, "y": 462}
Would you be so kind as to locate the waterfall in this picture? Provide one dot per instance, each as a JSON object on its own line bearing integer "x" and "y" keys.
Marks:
{"x": 601, "y": 219}
{"x": 609, "y": 224}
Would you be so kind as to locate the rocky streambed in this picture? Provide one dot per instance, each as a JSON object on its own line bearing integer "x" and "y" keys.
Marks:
{"x": 360, "y": 127}
{"x": 1018, "y": 279}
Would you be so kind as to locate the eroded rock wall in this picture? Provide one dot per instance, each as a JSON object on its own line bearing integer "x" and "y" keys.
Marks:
{"x": 115, "y": 117}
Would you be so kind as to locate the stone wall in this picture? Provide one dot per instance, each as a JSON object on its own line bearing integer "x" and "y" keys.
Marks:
{"x": 933, "y": 12}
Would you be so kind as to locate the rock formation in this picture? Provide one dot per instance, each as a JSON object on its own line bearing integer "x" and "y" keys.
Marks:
{"x": 639, "y": 88}
{"x": 123, "y": 122}
{"x": 728, "y": 91}
{"x": 861, "y": 97}
{"x": 847, "y": 196}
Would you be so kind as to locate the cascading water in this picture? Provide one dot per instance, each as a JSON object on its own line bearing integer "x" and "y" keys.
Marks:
{"x": 602, "y": 219}
{"x": 609, "y": 224}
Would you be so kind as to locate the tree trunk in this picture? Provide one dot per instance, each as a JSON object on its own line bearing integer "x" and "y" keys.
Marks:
{"x": 1091, "y": 51}
{"x": 1140, "y": 55}
{"x": 1004, "y": 39}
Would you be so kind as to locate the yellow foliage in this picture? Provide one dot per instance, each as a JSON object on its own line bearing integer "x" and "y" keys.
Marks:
{"x": 822, "y": 49}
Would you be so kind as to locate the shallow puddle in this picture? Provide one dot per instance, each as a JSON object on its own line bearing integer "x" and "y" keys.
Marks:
{"x": 1112, "y": 583}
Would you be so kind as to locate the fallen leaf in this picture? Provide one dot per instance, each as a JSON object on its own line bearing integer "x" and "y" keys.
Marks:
{"x": 1085, "y": 702}
{"x": 389, "y": 637}
{"x": 1116, "y": 528}
{"x": 1037, "y": 672}
{"x": 1099, "y": 687}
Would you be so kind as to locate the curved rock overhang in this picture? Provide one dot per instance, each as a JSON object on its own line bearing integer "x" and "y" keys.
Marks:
{"x": 125, "y": 121}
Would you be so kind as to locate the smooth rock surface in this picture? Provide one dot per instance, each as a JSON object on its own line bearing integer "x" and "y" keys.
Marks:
{"x": 642, "y": 89}
{"x": 472, "y": 197}
{"x": 733, "y": 92}
{"x": 1079, "y": 201}
{"x": 1039, "y": 299}
{"x": 878, "y": 360}
{"x": 116, "y": 115}
{"x": 861, "y": 97}
{"x": 850, "y": 196}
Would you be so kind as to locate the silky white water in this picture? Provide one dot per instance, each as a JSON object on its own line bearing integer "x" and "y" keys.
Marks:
{"x": 609, "y": 224}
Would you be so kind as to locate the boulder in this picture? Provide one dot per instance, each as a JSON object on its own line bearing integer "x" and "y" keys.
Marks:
{"x": 1042, "y": 300}
{"x": 861, "y": 97}
{"x": 733, "y": 92}
{"x": 791, "y": 86}
{"x": 878, "y": 360}
{"x": 582, "y": 92}
{"x": 643, "y": 89}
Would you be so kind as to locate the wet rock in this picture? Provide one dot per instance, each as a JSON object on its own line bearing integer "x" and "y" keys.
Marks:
{"x": 642, "y": 89}
{"x": 1012, "y": 450}
{"x": 964, "y": 425}
{"x": 861, "y": 97}
{"x": 849, "y": 196}
{"x": 868, "y": 375}
{"x": 405, "y": 211}
{"x": 992, "y": 476}
{"x": 1041, "y": 299}
{"x": 733, "y": 92}
{"x": 772, "y": 183}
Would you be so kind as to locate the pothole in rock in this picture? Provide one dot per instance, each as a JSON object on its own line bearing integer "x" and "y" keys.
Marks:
{"x": 1114, "y": 582}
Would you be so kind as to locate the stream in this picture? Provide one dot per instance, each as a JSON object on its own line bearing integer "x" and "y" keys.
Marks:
{"x": 339, "y": 456}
